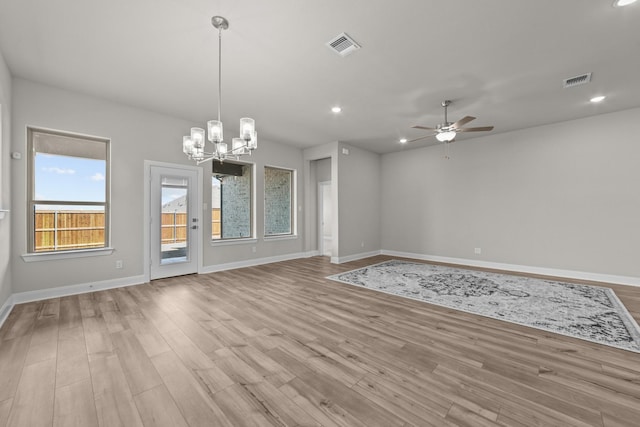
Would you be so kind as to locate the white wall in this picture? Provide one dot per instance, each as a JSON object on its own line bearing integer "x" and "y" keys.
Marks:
{"x": 355, "y": 194}
{"x": 359, "y": 198}
{"x": 323, "y": 170}
{"x": 5, "y": 186}
{"x": 563, "y": 196}
{"x": 136, "y": 135}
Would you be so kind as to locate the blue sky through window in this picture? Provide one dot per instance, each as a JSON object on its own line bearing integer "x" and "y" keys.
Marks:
{"x": 67, "y": 178}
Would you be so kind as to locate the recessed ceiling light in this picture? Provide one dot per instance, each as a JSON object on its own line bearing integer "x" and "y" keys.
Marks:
{"x": 336, "y": 109}
{"x": 403, "y": 140}
{"x": 597, "y": 99}
{"x": 620, "y": 3}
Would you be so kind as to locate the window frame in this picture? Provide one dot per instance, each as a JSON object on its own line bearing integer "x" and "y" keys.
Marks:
{"x": 252, "y": 208}
{"x": 32, "y": 201}
{"x": 292, "y": 210}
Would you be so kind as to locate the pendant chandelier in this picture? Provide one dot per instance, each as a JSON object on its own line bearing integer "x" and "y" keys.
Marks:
{"x": 193, "y": 145}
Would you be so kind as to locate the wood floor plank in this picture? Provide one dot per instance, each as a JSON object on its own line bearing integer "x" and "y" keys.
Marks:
{"x": 70, "y": 314}
{"x": 139, "y": 371}
{"x": 33, "y": 403}
{"x": 281, "y": 408}
{"x": 242, "y": 409}
{"x": 149, "y": 337}
{"x": 280, "y": 345}
{"x": 74, "y": 406}
{"x": 158, "y": 409}
{"x": 194, "y": 402}
{"x": 5, "y": 407}
{"x": 96, "y": 334}
{"x": 72, "y": 359}
{"x": 12, "y": 356}
{"x": 112, "y": 395}
{"x": 20, "y": 321}
{"x": 44, "y": 340}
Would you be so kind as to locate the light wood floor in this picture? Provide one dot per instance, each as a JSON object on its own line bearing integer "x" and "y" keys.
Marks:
{"x": 279, "y": 345}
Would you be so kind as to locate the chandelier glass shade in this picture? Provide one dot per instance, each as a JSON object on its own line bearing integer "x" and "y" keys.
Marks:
{"x": 194, "y": 145}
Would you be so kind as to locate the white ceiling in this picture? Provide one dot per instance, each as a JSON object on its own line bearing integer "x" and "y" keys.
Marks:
{"x": 502, "y": 61}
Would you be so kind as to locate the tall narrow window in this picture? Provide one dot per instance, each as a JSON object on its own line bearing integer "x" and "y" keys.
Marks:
{"x": 278, "y": 201}
{"x": 68, "y": 192}
{"x": 231, "y": 201}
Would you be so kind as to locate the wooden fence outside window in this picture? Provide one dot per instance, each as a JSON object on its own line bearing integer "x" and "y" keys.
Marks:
{"x": 57, "y": 230}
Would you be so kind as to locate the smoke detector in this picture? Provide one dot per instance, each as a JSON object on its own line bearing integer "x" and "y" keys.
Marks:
{"x": 342, "y": 44}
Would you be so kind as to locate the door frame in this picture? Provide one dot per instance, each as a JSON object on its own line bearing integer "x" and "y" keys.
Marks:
{"x": 146, "y": 218}
{"x": 319, "y": 216}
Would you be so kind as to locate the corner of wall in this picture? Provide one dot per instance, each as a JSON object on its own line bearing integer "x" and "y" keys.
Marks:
{"x": 6, "y": 288}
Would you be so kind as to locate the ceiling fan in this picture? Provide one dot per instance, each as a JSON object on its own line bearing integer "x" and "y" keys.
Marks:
{"x": 446, "y": 132}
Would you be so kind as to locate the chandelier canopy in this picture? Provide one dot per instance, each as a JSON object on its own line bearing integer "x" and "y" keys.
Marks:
{"x": 193, "y": 145}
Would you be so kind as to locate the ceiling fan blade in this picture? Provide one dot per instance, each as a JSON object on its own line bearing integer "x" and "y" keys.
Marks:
{"x": 478, "y": 129}
{"x": 422, "y": 137}
{"x": 423, "y": 128}
{"x": 463, "y": 121}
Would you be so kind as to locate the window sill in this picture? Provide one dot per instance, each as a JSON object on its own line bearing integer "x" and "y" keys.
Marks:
{"x": 283, "y": 237}
{"x": 233, "y": 242}
{"x": 48, "y": 256}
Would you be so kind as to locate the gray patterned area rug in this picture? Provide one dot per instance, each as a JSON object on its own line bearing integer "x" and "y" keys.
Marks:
{"x": 591, "y": 313}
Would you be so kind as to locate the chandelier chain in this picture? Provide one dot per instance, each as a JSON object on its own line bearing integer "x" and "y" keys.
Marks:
{"x": 219, "y": 72}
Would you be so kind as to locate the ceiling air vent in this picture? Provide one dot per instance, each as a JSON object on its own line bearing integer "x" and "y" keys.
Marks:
{"x": 576, "y": 81}
{"x": 343, "y": 45}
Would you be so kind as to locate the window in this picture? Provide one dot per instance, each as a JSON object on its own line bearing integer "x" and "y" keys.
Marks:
{"x": 278, "y": 201}
{"x": 68, "y": 192}
{"x": 231, "y": 201}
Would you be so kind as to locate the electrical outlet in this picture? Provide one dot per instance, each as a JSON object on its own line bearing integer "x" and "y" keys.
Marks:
{"x": 362, "y": 244}
{"x": 119, "y": 264}
{"x": 253, "y": 249}
{"x": 477, "y": 251}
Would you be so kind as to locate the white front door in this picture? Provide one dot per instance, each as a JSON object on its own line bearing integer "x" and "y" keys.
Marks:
{"x": 175, "y": 221}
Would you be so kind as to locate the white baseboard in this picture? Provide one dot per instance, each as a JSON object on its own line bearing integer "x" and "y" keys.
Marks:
{"x": 354, "y": 257}
{"x": 6, "y": 309}
{"x": 63, "y": 291}
{"x": 257, "y": 261}
{"x": 569, "y": 274}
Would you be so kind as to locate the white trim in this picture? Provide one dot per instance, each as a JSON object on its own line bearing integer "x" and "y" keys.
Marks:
{"x": 256, "y": 261}
{"x": 48, "y": 256}
{"x": 231, "y": 242}
{"x": 82, "y": 288}
{"x": 354, "y": 257}
{"x": 276, "y": 237}
{"x": 6, "y": 309}
{"x": 569, "y": 274}
{"x": 320, "y": 217}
